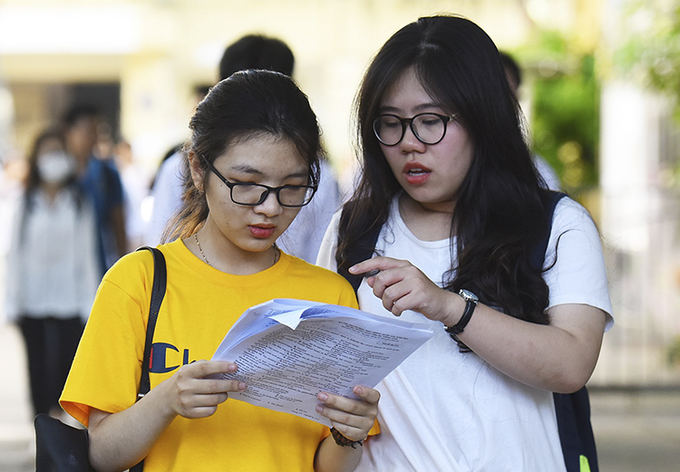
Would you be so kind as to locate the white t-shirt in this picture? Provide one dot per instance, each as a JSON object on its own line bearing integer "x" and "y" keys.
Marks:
{"x": 552, "y": 181}
{"x": 451, "y": 411}
{"x": 53, "y": 264}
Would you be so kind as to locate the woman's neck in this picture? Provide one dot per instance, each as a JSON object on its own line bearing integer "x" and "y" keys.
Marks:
{"x": 51, "y": 190}
{"x": 427, "y": 223}
{"x": 226, "y": 257}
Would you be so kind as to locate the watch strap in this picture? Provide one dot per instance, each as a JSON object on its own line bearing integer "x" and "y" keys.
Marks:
{"x": 458, "y": 328}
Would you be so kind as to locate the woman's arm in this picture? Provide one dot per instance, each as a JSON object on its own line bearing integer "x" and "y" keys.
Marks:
{"x": 121, "y": 440}
{"x": 351, "y": 418}
{"x": 559, "y": 357}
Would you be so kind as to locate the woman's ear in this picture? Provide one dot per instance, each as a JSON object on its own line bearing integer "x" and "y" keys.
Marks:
{"x": 196, "y": 170}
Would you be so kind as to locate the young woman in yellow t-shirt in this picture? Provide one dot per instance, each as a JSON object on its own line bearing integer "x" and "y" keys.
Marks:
{"x": 253, "y": 162}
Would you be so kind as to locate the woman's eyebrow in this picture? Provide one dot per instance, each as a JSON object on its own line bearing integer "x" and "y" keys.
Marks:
{"x": 247, "y": 169}
{"x": 417, "y": 108}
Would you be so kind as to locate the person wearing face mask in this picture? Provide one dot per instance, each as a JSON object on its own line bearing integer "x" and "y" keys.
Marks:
{"x": 52, "y": 267}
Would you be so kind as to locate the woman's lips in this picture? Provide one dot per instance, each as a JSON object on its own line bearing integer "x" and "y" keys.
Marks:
{"x": 416, "y": 173}
{"x": 262, "y": 231}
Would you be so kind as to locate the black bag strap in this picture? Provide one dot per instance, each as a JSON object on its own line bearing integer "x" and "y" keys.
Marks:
{"x": 576, "y": 431}
{"x": 537, "y": 255}
{"x": 157, "y": 295}
{"x": 571, "y": 409}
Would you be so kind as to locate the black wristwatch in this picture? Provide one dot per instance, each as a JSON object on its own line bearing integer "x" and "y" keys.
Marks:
{"x": 471, "y": 301}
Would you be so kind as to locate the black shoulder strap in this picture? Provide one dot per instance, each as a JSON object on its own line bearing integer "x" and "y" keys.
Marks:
{"x": 572, "y": 410}
{"x": 358, "y": 252}
{"x": 157, "y": 294}
{"x": 537, "y": 255}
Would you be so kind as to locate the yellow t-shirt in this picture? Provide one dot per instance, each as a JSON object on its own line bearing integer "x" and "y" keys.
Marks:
{"x": 200, "y": 305}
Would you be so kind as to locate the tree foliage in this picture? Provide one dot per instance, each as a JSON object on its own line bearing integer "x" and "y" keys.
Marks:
{"x": 565, "y": 113}
{"x": 651, "y": 49}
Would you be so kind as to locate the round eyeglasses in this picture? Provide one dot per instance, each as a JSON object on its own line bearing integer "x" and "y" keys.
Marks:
{"x": 248, "y": 194}
{"x": 428, "y": 128}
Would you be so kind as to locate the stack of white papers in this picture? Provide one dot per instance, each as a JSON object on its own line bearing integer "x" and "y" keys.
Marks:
{"x": 287, "y": 351}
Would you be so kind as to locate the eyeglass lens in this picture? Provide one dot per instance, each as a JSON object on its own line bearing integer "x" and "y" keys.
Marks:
{"x": 429, "y": 128}
{"x": 253, "y": 194}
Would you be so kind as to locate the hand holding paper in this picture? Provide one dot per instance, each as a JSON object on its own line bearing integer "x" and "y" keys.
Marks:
{"x": 287, "y": 351}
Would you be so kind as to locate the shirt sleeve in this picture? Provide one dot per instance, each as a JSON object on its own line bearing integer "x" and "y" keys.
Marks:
{"x": 576, "y": 271}
{"x": 15, "y": 264}
{"x": 106, "y": 369}
{"x": 329, "y": 244}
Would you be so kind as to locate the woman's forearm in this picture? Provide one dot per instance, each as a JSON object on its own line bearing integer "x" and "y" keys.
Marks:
{"x": 331, "y": 457}
{"x": 559, "y": 357}
{"x": 121, "y": 440}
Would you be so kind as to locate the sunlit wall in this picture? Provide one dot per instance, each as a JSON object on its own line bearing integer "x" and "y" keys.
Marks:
{"x": 159, "y": 50}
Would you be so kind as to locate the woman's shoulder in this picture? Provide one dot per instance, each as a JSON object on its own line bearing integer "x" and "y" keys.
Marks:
{"x": 569, "y": 213}
{"x": 130, "y": 269}
{"x": 315, "y": 273}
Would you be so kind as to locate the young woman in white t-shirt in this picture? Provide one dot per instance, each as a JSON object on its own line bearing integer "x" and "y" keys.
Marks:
{"x": 449, "y": 181}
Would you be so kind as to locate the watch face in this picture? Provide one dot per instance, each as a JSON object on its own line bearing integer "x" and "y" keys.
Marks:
{"x": 468, "y": 296}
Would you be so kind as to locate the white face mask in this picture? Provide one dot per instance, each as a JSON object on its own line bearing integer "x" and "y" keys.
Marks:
{"x": 56, "y": 166}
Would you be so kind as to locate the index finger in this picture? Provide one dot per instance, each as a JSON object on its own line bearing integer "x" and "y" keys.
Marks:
{"x": 206, "y": 368}
{"x": 370, "y": 267}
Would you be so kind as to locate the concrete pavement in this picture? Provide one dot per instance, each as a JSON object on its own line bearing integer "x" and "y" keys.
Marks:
{"x": 635, "y": 432}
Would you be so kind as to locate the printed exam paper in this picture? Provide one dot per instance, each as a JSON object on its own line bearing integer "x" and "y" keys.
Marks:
{"x": 287, "y": 351}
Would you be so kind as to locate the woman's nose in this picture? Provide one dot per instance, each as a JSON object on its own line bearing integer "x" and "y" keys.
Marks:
{"x": 410, "y": 143}
{"x": 270, "y": 206}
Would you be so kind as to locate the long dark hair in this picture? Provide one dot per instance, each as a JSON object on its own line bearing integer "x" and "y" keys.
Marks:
{"x": 246, "y": 104}
{"x": 499, "y": 214}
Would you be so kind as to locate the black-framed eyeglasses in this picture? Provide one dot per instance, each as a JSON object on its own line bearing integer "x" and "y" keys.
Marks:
{"x": 290, "y": 196}
{"x": 428, "y": 128}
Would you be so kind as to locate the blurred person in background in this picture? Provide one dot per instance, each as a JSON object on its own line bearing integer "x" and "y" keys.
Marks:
{"x": 99, "y": 180}
{"x": 135, "y": 187}
{"x": 514, "y": 75}
{"x": 303, "y": 237}
{"x": 52, "y": 267}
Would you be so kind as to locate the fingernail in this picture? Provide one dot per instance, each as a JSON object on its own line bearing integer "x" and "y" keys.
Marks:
{"x": 323, "y": 397}
{"x": 319, "y": 408}
{"x": 232, "y": 368}
{"x": 352, "y": 269}
{"x": 241, "y": 386}
{"x": 358, "y": 390}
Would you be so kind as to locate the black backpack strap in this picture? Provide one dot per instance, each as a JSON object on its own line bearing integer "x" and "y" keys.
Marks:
{"x": 537, "y": 255}
{"x": 358, "y": 252}
{"x": 157, "y": 295}
{"x": 572, "y": 410}
{"x": 576, "y": 431}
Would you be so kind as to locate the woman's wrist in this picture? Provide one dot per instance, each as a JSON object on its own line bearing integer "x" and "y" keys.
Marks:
{"x": 454, "y": 309}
